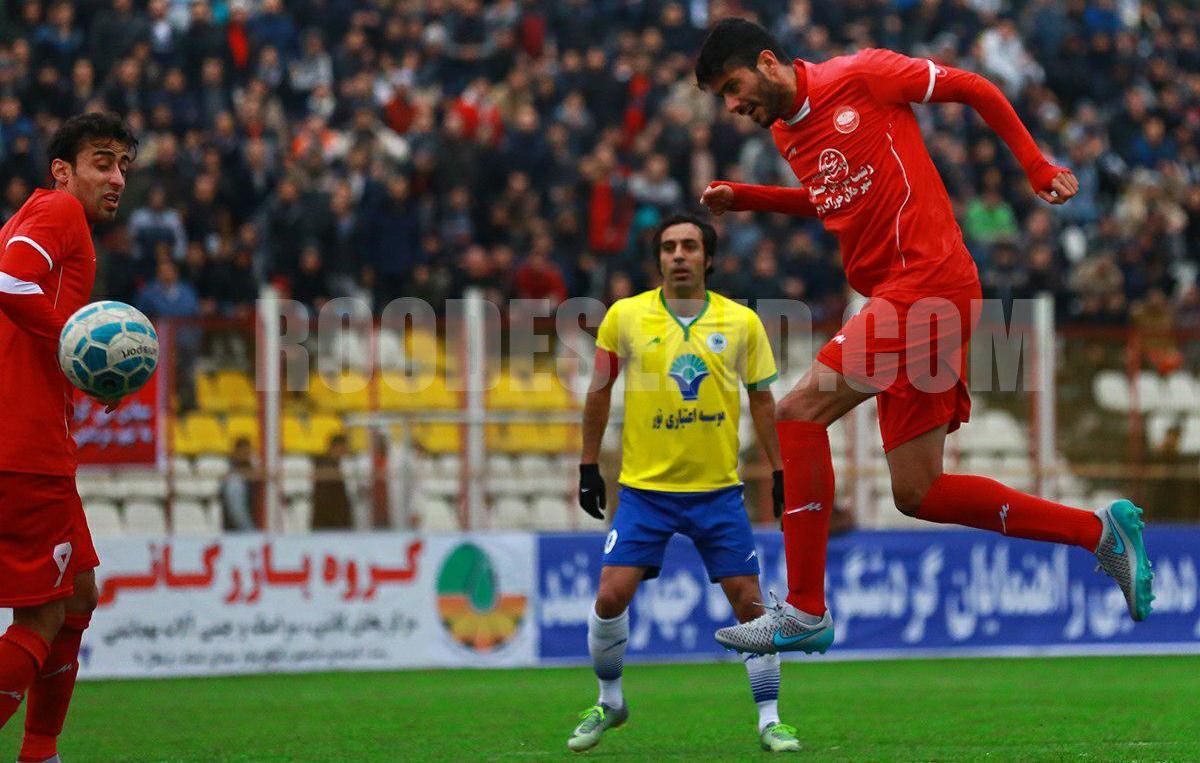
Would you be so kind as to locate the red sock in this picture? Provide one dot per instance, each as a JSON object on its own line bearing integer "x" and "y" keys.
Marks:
{"x": 50, "y": 692}
{"x": 808, "y": 502}
{"x": 22, "y": 652}
{"x": 964, "y": 499}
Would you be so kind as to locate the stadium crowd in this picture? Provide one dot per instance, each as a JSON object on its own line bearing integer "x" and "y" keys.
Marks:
{"x": 418, "y": 147}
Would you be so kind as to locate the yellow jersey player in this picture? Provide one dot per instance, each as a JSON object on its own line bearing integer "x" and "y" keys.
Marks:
{"x": 685, "y": 352}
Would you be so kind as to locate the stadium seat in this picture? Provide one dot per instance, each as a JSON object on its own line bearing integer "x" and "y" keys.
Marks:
{"x": 180, "y": 465}
{"x": 144, "y": 518}
{"x": 103, "y": 518}
{"x": 311, "y": 436}
{"x": 437, "y": 437}
{"x": 1180, "y": 392}
{"x": 211, "y": 466}
{"x": 95, "y": 483}
{"x": 237, "y": 391}
{"x": 196, "y": 487}
{"x": 142, "y": 483}
{"x": 242, "y": 426}
{"x": 296, "y": 466}
{"x": 297, "y": 516}
{"x": 208, "y": 397}
{"x": 437, "y": 515}
{"x": 1190, "y": 439}
{"x": 1111, "y": 390}
{"x": 426, "y": 351}
{"x": 198, "y": 433}
{"x": 1150, "y": 391}
{"x": 192, "y": 518}
{"x": 340, "y": 393}
{"x": 552, "y": 513}
{"x": 533, "y": 465}
{"x": 510, "y": 513}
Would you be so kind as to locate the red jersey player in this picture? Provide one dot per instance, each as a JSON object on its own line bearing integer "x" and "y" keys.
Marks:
{"x": 847, "y": 129}
{"x": 47, "y": 561}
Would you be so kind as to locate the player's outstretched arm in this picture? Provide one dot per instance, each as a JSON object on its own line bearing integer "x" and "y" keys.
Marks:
{"x": 722, "y": 196}
{"x": 1052, "y": 184}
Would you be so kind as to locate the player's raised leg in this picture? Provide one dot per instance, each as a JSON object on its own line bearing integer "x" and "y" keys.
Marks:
{"x": 1113, "y": 533}
{"x": 608, "y": 635}
{"x": 763, "y": 670}
{"x": 802, "y": 623}
{"x": 50, "y": 693}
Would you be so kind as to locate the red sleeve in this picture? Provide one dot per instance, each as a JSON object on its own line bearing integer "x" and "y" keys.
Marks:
{"x": 960, "y": 86}
{"x": 893, "y": 78}
{"x": 45, "y": 238}
{"x": 605, "y": 368}
{"x": 769, "y": 198}
{"x": 22, "y": 268}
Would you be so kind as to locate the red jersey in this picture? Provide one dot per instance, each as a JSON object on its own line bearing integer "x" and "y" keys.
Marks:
{"x": 47, "y": 270}
{"x": 857, "y": 149}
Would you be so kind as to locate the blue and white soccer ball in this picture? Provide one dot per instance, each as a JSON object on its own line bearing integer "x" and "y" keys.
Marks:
{"x": 108, "y": 349}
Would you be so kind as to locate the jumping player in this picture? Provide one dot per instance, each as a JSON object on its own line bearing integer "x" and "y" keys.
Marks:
{"x": 847, "y": 129}
{"x": 47, "y": 561}
{"x": 684, "y": 351}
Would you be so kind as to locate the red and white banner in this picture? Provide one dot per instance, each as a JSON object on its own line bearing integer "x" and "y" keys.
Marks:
{"x": 128, "y": 435}
{"x": 255, "y": 603}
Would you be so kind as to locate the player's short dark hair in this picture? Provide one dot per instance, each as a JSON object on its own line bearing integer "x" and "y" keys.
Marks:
{"x": 78, "y": 131}
{"x": 733, "y": 44}
{"x": 708, "y": 237}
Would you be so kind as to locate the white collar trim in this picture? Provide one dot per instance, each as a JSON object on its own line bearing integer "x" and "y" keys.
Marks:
{"x": 801, "y": 114}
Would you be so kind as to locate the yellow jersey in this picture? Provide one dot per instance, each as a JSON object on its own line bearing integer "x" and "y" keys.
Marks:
{"x": 682, "y": 397}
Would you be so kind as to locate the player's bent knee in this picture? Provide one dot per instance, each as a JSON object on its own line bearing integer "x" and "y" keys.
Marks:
{"x": 798, "y": 405}
{"x": 908, "y": 498}
{"x": 611, "y": 602}
{"x": 46, "y": 619}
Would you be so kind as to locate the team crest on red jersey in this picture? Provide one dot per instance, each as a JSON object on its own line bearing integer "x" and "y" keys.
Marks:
{"x": 832, "y": 166}
{"x": 845, "y": 119}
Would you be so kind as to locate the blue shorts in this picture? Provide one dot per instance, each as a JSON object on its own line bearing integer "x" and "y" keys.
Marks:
{"x": 715, "y": 520}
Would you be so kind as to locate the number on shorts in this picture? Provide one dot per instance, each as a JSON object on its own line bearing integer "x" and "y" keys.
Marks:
{"x": 62, "y": 558}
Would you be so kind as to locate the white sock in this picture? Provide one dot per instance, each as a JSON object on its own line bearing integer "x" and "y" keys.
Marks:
{"x": 606, "y": 643}
{"x": 764, "y": 684}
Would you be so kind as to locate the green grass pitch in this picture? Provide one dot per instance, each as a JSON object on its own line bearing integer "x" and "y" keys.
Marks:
{"x": 1087, "y": 709}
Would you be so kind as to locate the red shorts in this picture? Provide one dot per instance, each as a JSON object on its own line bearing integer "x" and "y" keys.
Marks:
{"x": 44, "y": 539}
{"x": 913, "y": 351}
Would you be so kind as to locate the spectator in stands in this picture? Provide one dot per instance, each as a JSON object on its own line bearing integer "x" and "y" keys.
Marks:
{"x": 157, "y": 223}
{"x": 332, "y": 509}
{"x": 538, "y": 277}
{"x": 240, "y": 489}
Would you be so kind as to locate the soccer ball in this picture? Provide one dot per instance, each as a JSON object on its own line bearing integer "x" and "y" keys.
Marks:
{"x": 108, "y": 349}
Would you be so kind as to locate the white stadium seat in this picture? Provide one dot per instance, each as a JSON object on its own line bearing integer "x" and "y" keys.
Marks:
{"x": 437, "y": 515}
{"x": 510, "y": 514}
{"x": 1111, "y": 390}
{"x": 1150, "y": 389}
{"x": 141, "y": 483}
{"x": 144, "y": 518}
{"x": 197, "y": 487}
{"x": 192, "y": 518}
{"x": 103, "y": 518}
{"x": 552, "y": 513}
{"x": 1180, "y": 392}
{"x": 211, "y": 466}
{"x": 297, "y": 466}
{"x": 297, "y": 516}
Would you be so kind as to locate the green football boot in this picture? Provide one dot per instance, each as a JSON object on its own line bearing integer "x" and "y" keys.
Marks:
{"x": 779, "y": 737}
{"x": 593, "y": 722}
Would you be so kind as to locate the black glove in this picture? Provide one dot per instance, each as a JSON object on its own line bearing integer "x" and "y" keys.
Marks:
{"x": 777, "y": 492}
{"x": 591, "y": 491}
